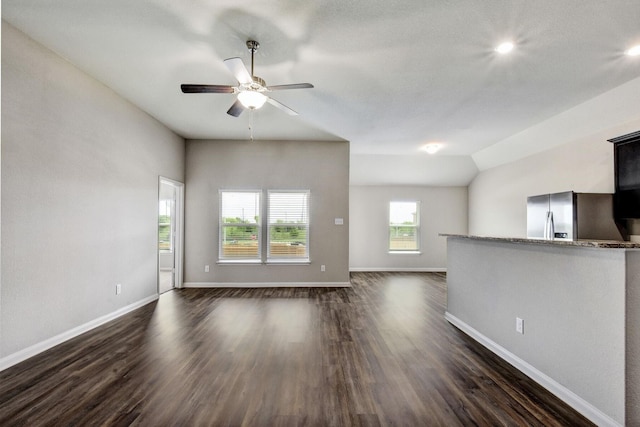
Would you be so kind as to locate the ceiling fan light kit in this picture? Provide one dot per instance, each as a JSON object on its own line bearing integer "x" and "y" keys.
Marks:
{"x": 251, "y": 99}
{"x": 251, "y": 90}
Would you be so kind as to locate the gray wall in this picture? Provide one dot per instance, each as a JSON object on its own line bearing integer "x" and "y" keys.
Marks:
{"x": 572, "y": 301}
{"x": 322, "y": 167}
{"x": 498, "y": 196}
{"x": 632, "y": 360}
{"x": 80, "y": 169}
{"x": 442, "y": 210}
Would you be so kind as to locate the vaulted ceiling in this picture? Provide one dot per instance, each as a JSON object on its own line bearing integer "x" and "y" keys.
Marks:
{"x": 389, "y": 75}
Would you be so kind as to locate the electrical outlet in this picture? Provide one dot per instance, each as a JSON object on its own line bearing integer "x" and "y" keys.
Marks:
{"x": 206, "y": 268}
{"x": 519, "y": 325}
{"x": 118, "y": 289}
{"x": 322, "y": 267}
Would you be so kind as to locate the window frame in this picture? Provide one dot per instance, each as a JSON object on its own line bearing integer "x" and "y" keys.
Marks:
{"x": 222, "y": 225}
{"x": 416, "y": 226}
{"x": 294, "y": 259}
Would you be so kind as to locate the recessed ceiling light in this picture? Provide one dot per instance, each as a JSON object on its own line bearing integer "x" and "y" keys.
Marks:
{"x": 633, "y": 51}
{"x": 432, "y": 148}
{"x": 505, "y": 47}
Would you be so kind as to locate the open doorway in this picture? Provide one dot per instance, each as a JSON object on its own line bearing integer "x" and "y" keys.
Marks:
{"x": 170, "y": 234}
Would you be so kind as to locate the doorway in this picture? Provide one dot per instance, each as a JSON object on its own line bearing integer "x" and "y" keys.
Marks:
{"x": 170, "y": 234}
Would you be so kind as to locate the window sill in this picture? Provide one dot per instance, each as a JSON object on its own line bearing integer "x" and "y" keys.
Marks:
{"x": 305, "y": 261}
{"x": 405, "y": 252}
{"x": 239, "y": 261}
{"x": 302, "y": 261}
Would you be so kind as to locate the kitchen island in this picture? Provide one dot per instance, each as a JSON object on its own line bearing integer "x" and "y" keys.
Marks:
{"x": 579, "y": 302}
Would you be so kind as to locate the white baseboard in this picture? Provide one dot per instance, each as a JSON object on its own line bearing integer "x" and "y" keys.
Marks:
{"x": 266, "y": 285}
{"x": 22, "y": 355}
{"x": 399, "y": 269}
{"x": 570, "y": 398}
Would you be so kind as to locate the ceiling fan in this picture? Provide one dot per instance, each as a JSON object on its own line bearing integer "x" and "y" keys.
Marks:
{"x": 251, "y": 89}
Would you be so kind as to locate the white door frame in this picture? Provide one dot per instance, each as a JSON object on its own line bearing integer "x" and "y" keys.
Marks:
{"x": 179, "y": 232}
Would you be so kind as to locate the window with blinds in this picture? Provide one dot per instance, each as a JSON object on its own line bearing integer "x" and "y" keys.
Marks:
{"x": 240, "y": 225}
{"x": 288, "y": 217}
{"x": 404, "y": 226}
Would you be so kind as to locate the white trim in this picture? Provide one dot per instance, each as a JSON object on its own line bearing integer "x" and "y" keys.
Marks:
{"x": 288, "y": 261}
{"x": 229, "y": 261}
{"x": 178, "y": 259}
{"x": 267, "y": 284}
{"x": 279, "y": 261}
{"x": 258, "y": 224}
{"x": 22, "y": 355}
{"x": 416, "y": 225}
{"x": 400, "y": 269}
{"x": 307, "y": 224}
{"x": 570, "y": 398}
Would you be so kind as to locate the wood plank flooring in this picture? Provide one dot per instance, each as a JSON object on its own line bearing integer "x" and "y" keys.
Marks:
{"x": 379, "y": 353}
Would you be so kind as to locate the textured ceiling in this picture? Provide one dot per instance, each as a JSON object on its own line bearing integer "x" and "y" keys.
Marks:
{"x": 389, "y": 76}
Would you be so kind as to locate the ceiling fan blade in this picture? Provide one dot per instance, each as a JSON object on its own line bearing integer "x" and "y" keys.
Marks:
{"x": 291, "y": 86}
{"x": 206, "y": 89}
{"x": 239, "y": 71}
{"x": 236, "y": 109}
{"x": 281, "y": 106}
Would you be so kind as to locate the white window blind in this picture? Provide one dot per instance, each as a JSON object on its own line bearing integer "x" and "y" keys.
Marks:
{"x": 240, "y": 225}
{"x": 404, "y": 226}
{"x": 288, "y": 218}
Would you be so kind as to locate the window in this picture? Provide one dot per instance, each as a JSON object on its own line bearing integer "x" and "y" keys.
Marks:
{"x": 404, "y": 226}
{"x": 240, "y": 231}
{"x": 288, "y": 225}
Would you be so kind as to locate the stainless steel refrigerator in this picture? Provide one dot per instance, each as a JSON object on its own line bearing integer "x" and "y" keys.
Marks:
{"x": 571, "y": 216}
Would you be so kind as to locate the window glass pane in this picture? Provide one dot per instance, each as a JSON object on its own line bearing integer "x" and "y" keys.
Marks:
{"x": 403, "y": 238}
{"x": 404, "y": 230}
{"x": 240, "y": 242}
{"x": 240, "y": 225}
{"x": 403, "y": 213}
{"x": 240, "y": 207}
{"x": 288, "y": 224}
{"x": 289, "y": 234}
{"x": 288, "y": 208}
{"x": 234, "y": 234}
{"x": 165, "y": 208}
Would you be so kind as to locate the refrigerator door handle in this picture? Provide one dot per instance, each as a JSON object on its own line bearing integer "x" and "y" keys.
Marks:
{"x": 549, "y": 228}
{"x": 547, "y": 224}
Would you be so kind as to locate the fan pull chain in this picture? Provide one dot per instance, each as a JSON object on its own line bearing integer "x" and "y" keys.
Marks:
{"x": 251, "y": 126}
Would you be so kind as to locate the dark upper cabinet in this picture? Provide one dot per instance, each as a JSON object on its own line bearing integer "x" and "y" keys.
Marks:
{"x": 627, "y": 175}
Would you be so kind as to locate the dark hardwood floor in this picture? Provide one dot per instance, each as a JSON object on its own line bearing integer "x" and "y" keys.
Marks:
{"x": 380, "y": 353}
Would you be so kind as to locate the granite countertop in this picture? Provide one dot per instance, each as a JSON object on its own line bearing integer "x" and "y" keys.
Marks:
{"x": 605, "y": 244}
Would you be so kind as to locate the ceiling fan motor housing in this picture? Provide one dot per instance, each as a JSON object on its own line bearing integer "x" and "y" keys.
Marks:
{"x": 252, "y": 45}
{"x": 258, "y": 83}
